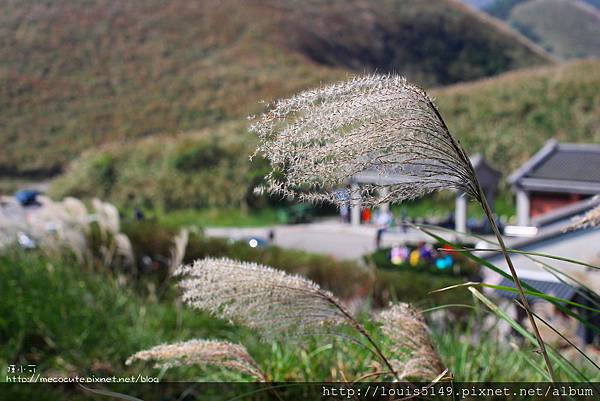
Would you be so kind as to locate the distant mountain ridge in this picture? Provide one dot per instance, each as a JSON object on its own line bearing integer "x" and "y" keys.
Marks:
{"x": 567, "y": 28}
{"x": 76, "y": 74}
{"x": 501, "y": 8}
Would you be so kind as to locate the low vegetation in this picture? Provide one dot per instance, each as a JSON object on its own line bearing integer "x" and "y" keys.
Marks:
{"x": 344, "y": 278}
{"x": 202, "y": 170}
{"x": 112, "y": 321}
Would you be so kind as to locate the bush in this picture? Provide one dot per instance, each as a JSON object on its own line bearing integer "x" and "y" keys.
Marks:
{"x": 191, "y": 171}
{"x": 416, "y": 287}
{"x": 346, "y": 279}
{"x": 462, "y": 266}
{"x": 151, "y": 241}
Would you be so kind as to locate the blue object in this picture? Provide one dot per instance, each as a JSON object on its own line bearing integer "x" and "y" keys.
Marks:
{"x": 342, "y": 195}
{"x": 27, "y": 197}
{"x": 444, "y": 262}
{"x": 255, "y": 242}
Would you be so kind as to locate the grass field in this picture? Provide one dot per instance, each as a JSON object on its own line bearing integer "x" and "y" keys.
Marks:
{"x": 40, "y": 325}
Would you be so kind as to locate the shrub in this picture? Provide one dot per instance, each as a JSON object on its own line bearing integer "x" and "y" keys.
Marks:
{"x": 463, "y": 266}
{"x": 416, "y": 287}
{"x": 152, "y": 242}
{"x": 192, "y": 171}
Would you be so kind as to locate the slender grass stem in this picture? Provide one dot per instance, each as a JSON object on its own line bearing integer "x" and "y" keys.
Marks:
{"x": 488, "y": 213}
{"x": 480, "y": 197}
{"x": 360, "y": 328}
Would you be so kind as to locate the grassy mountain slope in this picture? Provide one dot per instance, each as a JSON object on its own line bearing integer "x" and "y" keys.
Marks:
{"x": 507, "y": 118}
{"x": 78, "y": 74}
{"x": 192, "y": 170}
{"x": 567, "y": 28}
{"x": 431, "y": 42}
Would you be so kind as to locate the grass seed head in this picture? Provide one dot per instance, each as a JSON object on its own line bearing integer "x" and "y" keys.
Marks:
{"x": 318, "y": 140}
{"x": 203, "y": 353}
{"x": 414, "y": 355}
{"x": 268, "y": 300}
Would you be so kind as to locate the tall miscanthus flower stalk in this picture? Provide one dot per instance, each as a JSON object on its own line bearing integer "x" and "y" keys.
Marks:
{"x": 267, "y": 300}
{"x": 317, "y": 140}
{"x": 589, "y": 219}
{"x": 202, "y": 353}
{"x": 415, "y": 355}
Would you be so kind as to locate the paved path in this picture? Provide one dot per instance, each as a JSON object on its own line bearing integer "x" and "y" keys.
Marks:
{"x": 329, "y": 237}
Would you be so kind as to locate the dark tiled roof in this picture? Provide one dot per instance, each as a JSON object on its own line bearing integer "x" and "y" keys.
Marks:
{"x": 569, "y": 168}
{"x": 565, "y": 164}
{"x": 559, "y": 290}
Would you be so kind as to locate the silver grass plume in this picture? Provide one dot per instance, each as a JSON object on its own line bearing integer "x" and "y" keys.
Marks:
{"x": 259, "y": 297}
{"x": 177, "y": 251}
{"x": 107, "y": 216}
{"x": 319, "y": 139}
{"x": 414, "y": 355}
{"x": 268, "y": 300}
{"x": 589, "y": 219}
{"x": 202, "y": 353}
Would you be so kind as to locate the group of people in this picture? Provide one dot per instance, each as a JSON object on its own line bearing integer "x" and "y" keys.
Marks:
{"x": 380, "y": 217}
{"x": 422, "y": 254}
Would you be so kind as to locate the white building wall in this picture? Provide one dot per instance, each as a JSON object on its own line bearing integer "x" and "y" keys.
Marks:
{"x": 582, "y": 245}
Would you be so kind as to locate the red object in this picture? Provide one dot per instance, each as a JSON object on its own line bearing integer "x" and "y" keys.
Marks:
{"x": 447, "y": 249}
{"x": 366, "y": 215}
{"x": 545, "y": 202}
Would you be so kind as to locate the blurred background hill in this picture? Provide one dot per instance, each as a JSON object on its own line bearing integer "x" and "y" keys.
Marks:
{"x": 140, "y": 96}
{"x": 565, "y": 28}
{"x": 77, "y": 74}
{"x": 505, "y": 118}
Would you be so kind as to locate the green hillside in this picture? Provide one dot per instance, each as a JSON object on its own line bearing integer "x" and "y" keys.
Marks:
{"x": 76, "y": 74}
{"x": 509, "y": 117}
{"x": 506, "y": 118}
{"x": 567, "y": 28}
{"x": 192, "y": 170}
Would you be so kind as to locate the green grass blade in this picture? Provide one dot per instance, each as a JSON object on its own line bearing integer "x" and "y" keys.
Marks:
{"x": 540, "y": 295}
{"x": 563, "y": 337}
{"x": 504, "y": 274}
{"x": 556, "y": 357}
